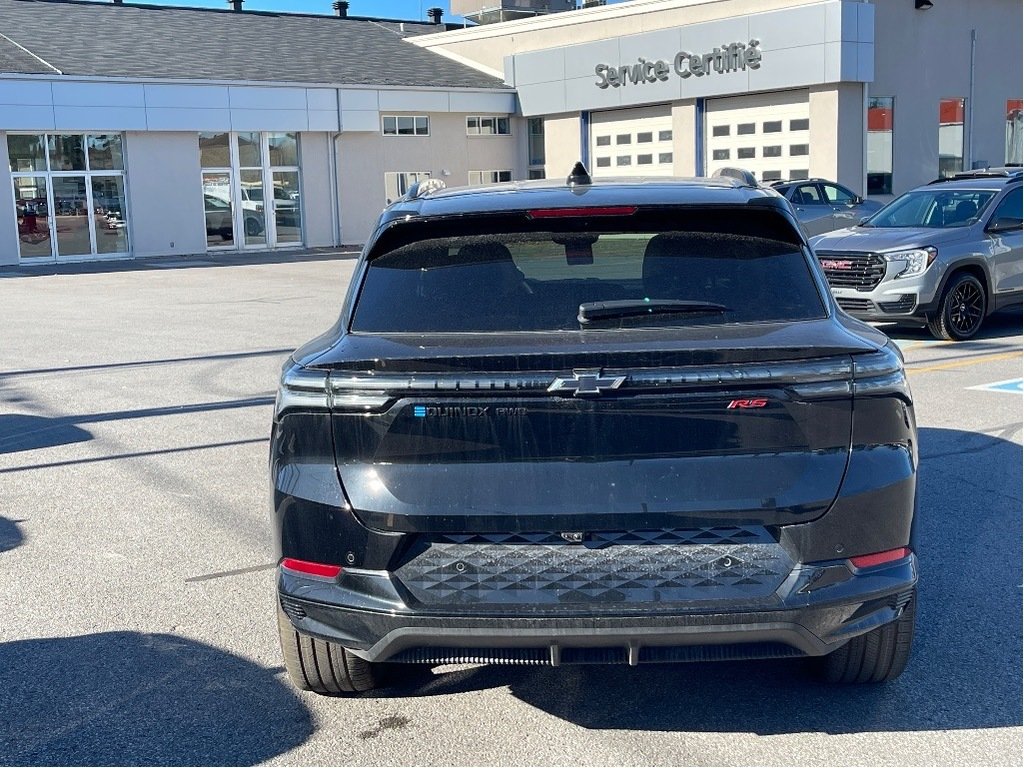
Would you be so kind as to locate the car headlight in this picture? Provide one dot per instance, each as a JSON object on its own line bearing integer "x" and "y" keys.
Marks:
{"x": 917, "y": 260}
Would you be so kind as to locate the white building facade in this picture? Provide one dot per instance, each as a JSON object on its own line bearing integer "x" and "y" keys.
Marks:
{"x": 880, "y": 96}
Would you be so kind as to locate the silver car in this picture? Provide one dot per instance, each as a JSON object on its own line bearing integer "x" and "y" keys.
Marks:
{"x": 824, "y": 205}
{"x": 946, "y": 254}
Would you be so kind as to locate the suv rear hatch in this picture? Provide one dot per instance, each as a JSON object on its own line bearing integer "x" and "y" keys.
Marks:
{"x": 568, "y": 380}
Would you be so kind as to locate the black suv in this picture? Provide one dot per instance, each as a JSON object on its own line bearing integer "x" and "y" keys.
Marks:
{"x": 615, "y": 422}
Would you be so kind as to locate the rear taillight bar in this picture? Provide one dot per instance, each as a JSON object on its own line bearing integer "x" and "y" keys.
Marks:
{"x": 311, "y": 390}
{"x": 881, "y": 374}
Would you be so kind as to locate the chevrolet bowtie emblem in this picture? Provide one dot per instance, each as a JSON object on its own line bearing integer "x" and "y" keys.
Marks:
{"x": 585, "y": 383}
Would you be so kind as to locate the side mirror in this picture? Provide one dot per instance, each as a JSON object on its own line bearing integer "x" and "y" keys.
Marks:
{"x": 863, "y": 219}
{"x": 1003, "y": 225}
{"x": 857, "y": 200}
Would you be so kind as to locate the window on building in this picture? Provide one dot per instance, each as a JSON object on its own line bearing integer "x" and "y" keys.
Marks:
{"x": 771, "y": 176}
{"x": 623, "y": 160}
{"x": 799, "y": 173}
{"x": 69, "y": 194}
{"x": 951, "y": 136}
{"x": 645, "y": 159}
{"x": 796, "y": 150}
{"x": 720, "y": 154}
{"x": 604, "y": 162}
{"x": 745, "y": 153}
{"x": 624, "y": 138}
{"x": 405, "y": 125}
{"x": 645, "y": 138}
{"x": 604, "y": 141}
{"x": 1013, "y": 131}
{"x": 774, "y": 126}
{"x": 488, "y": 177}
{"x": 801, "y": 124}
{"x": 774, "y": 150}
{"x": 880, "y": 116}
{"x": 535, "y": 141}
{"x": 720, "y": 130}
{"x": 488, "y": 125}
{"x": 664, "y": 135}
{"x": 745, "y": 129}
{"x": 239, "y": 171}
{"x": 664, "y": 157}
{"x": 397, "y": 183}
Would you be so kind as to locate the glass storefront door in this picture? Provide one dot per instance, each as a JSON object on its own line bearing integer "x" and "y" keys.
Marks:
{"x": 251, "y": 190}
{"x": 69, "y": 195}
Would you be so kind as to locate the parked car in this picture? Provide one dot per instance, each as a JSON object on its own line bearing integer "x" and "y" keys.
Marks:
{"x": 946, "y": 254}
{"x": 824, "y": 205}
{"x": 612, "y": 421}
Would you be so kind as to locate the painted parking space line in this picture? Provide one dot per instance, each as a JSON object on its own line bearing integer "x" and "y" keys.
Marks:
{"x": 1009, "y": 386}
{"x": 963, "y": 363}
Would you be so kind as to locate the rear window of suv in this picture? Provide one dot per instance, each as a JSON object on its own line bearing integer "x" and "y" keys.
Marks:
{"x": 543, "y": 281}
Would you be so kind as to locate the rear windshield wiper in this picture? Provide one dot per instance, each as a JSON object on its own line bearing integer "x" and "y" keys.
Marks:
{"x": 606, "y": 310}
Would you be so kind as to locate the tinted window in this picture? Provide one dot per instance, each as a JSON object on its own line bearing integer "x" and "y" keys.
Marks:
{"x": 536, "y": 281}
{"x": 939, "y": 208}
{"x": 1009, "y": 207}
{"x": 807, "y": 194}
{"x": 838, "y": 195}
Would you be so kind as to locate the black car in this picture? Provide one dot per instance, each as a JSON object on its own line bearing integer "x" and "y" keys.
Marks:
{"x": 615, "y": 422}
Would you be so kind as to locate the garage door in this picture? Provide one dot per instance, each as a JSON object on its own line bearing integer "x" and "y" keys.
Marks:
{"x": 768, "y": 134}
{"x": 631, "y": 142}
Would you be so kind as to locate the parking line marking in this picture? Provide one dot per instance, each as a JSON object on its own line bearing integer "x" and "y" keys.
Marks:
{"x": 1009, "y": 386}
{"x": 965, "y": 363}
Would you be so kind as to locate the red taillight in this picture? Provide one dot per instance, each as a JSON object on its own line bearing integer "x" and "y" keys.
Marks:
{"x": 311, "y": 569}
{"x": 866, "y": 561}
{"x": 577, "y": 213}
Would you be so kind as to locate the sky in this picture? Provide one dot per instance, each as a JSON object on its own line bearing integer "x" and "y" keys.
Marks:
{"x": 396, "y": 9}
{"x": 408, "y": 10}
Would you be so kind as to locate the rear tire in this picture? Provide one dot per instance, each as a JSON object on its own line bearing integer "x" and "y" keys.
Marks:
{"x": 962, "y": 309}
{"x": 876, "y": 657}
{"x": 322, "y": 666}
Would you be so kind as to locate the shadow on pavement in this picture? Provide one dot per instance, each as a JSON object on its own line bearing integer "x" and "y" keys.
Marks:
{"x": 965, "y": 671}
{"x": 126, "y": 698}
{"x": 21, "y": 432}
{"x": 1004, "y": 323}
{"x": 193, "y": 261}
{"x": 10, "y": 534}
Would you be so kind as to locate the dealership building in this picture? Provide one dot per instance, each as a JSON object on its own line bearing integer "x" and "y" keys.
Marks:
{"x": 132, "y": 130}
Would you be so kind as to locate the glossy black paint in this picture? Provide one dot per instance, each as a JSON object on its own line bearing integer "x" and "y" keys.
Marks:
{"x": 828, "y": 464}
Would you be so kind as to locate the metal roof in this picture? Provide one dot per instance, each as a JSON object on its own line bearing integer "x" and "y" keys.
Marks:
{"x": 110, "y": 40}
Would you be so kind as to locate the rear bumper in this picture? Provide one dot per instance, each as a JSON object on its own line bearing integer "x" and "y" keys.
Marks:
{"x": 816, "y": 610}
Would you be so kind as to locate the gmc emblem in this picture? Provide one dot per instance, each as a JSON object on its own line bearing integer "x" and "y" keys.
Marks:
{"x": 756, "y": 403}
{"x": 836, "y": 264}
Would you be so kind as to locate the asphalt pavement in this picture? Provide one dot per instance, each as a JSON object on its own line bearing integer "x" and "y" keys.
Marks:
{"x": 137, "y": 620}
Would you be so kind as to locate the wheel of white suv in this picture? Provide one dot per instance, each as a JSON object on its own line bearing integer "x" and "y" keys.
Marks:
{"x": 321, "y": 666}
{"x": 961, "y": 309}
{"x": 876, "y": 657}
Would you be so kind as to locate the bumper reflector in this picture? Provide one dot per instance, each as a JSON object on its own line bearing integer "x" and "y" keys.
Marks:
{"x": 866, "y": 561}
{"x": 311, "y": 569}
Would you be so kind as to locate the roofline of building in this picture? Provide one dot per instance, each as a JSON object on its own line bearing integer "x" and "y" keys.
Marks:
{"x": 567, "y": 18}
{"x": 145, "y": 80}
{"x": 246, "y": 11}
